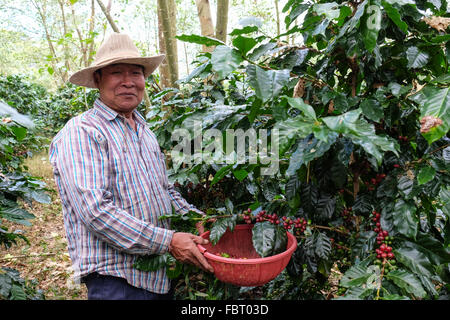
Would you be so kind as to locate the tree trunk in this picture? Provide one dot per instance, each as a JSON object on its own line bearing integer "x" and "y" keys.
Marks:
{"x": 90, "y": 55}
{"x": 206, "y": 24}
{"x": 168, "y": 73}
{"x": 64, "y": 43}
{"x": 83, "y": 46}
{"x": 164, "y": 66}
{"x": 222, "y": 20}
{"x": 277, "y": 12}
{"x": 167, "y": 29}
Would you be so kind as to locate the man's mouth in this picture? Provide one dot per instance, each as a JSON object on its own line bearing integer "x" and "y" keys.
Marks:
{"x": 127, "y": 94}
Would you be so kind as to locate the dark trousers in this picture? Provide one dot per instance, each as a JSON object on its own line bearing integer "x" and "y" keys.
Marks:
{"x": 101, "y": 287}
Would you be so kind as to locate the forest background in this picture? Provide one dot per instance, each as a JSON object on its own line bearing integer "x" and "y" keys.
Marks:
{"x": 47, "y": 40}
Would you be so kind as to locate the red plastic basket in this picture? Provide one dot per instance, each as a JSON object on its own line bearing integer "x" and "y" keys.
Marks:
{"x": 248, "y": 269}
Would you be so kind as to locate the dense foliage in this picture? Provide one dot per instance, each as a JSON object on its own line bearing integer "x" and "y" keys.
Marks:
{"x": 17, "y": 186}
{"x": 362, "y": 111}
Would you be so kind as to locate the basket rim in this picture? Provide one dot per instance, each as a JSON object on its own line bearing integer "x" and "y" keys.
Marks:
{"x": 287, "y": 253}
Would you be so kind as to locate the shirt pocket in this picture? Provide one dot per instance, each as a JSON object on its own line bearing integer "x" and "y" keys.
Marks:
{"x": 158, "y": 165}
{"x": 125, "y": 183}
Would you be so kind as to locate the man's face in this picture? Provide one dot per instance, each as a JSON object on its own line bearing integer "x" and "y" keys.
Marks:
{"x": 121, "y": 86}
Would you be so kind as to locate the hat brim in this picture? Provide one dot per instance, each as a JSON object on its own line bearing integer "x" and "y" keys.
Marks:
{"x": 85, "y": 77}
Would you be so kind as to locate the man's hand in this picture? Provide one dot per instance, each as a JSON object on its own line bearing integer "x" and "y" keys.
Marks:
{"x": 183, "y": 247}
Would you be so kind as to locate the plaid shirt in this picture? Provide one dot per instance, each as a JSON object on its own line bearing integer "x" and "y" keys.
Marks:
{"x": 113, "y": 185}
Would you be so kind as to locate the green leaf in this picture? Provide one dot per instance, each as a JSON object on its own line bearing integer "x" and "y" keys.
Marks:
{"x": 220, "y": 227}
{"x": 426, "y": 174}
{"x": 405, "y": 186}
{"x": 362, "y": 204}
{"x": 422, "y": 256}
{"x": 229, "y": 205}
{"x": 245, "y": 30}
{"x": 19, "y": 132}
{"x": 151, "y": 263}
{"x": 222, "y": 172}
{"x": 356, "y": 276}
{"x": 262, "y": 50}
{"x": 5, "y": 285}
{"x": 442, "y": 79}
{"x": 240, "y": 174}
{"x": 322, "y": 245}
{"x": 345, "y": 11}
{"x": 299, "y": 104}
{"x": 350, "y": 24}
{"x": 225, "y": 60}
{"x": 17, "y": 215}
{"x": 40, "y": 196}
{"x": 407, "y": 281}
{"x": 267, "y": 83}
{"x": 416, "y": 58}
{"x": 18, "y": 293}
{"x": 291, "y": 129}
{"x": 343, "y": 123}
{"x": 268, "y": 239}
{"x": 394, "y": 15}
{"x": 362, "y": 133}
{"x": 195, "y": 73}
{"x": 307, "y": 150}
{"x": 203, "y": 40}
{"x": 244, "y": 44}
{"x": 405, "y": 219}
{"x": 372, "y": 109}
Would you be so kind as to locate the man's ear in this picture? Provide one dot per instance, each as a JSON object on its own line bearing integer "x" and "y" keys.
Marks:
{"x": 97, "y": 76}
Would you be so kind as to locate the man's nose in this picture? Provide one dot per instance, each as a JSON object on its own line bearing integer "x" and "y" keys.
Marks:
{"x": 127, "y": 79}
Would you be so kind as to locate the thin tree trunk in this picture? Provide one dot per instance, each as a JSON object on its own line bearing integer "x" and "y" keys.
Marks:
{"x": 186, "y": 58}
{"x": 166, "y": 30}
{"x": 65, "y": 47}
{"x": 164, "y": 66}
{"x": 277, "y": 12}
{"x": 173, "y": 32}
{"x": 83, "y": 46}
{"x": 90, "y": 54}
{"x": 222, "y": 20}
{"x": 206, "y": 24}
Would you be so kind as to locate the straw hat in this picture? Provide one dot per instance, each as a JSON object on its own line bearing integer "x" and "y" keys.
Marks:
{"x": 118, "y": 48}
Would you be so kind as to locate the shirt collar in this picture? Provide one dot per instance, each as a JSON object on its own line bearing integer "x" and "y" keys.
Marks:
{"x": 111, "y": 114}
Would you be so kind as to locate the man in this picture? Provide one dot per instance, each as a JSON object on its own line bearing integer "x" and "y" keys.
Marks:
{"x": 112, "y": 180}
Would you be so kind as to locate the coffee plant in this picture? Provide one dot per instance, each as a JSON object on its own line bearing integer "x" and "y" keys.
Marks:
{"x": 17, "y": 186}
{"x": 361, "y": 112}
